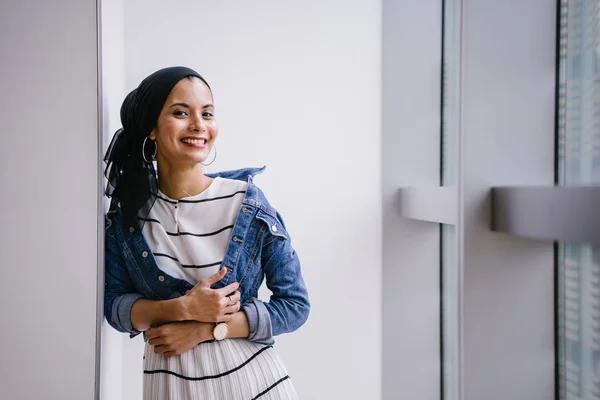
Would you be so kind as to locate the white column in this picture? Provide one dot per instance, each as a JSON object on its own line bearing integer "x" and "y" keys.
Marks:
{"x": 412, "y": 34}
{"x": 49, "y": 197}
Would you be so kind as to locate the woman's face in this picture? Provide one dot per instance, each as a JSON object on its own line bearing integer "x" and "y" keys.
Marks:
{"x": 186, "y": 128}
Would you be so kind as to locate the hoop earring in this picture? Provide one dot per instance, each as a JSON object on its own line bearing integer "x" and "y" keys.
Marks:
{"x": 214, "y": 158}
{"x": 144, "y": 150}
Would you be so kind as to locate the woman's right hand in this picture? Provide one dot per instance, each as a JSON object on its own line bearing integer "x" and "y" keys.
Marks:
{"x": 205, "y": 304}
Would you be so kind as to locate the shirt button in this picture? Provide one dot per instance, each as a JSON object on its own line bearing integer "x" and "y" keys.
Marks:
{"x": 131, "y": 229}
{"x": 144, "y": 254}
{"x": 161, "y": 278}
{"x": 274, "y": 227}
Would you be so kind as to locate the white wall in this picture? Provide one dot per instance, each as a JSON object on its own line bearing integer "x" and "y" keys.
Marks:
{"x": 49, "y": 181}
{"x": 297, "y": 87}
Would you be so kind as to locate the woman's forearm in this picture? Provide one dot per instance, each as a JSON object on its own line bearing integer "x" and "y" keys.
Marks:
{"x": 147, "y": 313}
{"x": 175, "y": 338}
{"x": 201, "y": 303}
{"x": 238, "y": 326}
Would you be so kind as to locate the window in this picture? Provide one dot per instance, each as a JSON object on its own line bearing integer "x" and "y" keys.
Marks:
{"x": 579, "y": 164}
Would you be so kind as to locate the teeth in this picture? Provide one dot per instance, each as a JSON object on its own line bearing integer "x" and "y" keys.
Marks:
{"x": 194, "y": 141}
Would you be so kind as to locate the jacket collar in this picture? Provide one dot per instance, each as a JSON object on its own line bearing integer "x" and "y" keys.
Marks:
{"x": 244, "y": 174}
{"x": 254, "y": 196}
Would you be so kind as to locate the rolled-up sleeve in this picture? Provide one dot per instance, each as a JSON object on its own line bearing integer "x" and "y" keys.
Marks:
{"x": 119, "y": 291}
{"x": 288, "y": 307}
{"x": 121, "y": 312}
{"x": 259, "y": 322}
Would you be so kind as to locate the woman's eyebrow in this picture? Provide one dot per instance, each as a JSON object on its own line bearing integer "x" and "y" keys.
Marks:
{"x": 208, "y": 105}
{"x": 179, "y": 105}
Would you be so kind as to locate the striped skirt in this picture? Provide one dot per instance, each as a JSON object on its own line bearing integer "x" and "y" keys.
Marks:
{"x": 232, "y": 369}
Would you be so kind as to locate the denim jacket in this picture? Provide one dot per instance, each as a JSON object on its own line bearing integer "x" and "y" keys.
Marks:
{"x": 259, "y": 247}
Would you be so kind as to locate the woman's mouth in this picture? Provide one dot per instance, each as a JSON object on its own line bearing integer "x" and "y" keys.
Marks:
{"x": 195, "y": 142}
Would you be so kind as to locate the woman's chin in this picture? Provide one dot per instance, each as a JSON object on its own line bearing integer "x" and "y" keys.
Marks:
{"x": 196, "y": 157}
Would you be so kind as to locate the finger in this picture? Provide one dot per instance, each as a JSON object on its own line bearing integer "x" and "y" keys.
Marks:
{"x": 156, "y": 341}
{"x": 232, "y": 309}
{"x": 229, "y": 289}
{"x": 231, "y": 299}
{"x": 211, "y": 280}
{"x": 160, "y": 349}
{"x": 236, "y": 297}
{"x": 151, "y": 334}
{"x": 169, "y": 354}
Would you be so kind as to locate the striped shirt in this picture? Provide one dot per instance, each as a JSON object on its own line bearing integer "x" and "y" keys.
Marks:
{"x": 189, "y": 236}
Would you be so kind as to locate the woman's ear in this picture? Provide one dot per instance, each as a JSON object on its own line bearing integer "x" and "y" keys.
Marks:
{"x": 153, "y": 134}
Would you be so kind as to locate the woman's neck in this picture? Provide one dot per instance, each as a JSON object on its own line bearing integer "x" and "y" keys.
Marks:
{"x": 176, "y": 183}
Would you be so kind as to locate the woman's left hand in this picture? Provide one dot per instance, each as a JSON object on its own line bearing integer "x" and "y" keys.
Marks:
{"x": 175, "y": 338}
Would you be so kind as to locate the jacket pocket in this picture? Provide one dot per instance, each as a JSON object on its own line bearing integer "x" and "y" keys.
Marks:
{"x": 273, "y": 224}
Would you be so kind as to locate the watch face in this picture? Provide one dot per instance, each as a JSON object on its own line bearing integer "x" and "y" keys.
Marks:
{"x": 220, "y": 331}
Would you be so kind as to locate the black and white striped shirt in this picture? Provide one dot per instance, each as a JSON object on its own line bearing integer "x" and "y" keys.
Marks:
{"x": 189, "y": 236}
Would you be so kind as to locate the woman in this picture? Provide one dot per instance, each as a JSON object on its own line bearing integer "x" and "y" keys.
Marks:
{"x": 186, "y": 252}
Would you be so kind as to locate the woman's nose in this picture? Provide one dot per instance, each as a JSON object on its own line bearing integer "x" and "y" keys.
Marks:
{"x": 197, "y": 124}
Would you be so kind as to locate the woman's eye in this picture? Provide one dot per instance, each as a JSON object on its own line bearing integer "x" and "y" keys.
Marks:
{"x": 180, "y": 113}
{"x": 208, "y": 114}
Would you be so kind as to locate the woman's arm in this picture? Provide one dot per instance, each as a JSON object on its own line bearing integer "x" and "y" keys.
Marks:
{"x": 289, "y": 307}
{"x": 178, "y": 337}
{"x": 119, "y": 291}
{"x": 126, "y": 310}
{"x": 202, "y": 303}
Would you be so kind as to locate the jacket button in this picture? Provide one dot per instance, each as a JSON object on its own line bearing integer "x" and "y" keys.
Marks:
{"x": 131, "y": 229}
{"x": 161, "y": 278}
{"x": 144, "y": 254}
{"x": 274, "y": 227}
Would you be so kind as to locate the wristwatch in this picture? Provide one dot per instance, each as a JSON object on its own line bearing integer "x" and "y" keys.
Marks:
{"x": 221, "y": 331}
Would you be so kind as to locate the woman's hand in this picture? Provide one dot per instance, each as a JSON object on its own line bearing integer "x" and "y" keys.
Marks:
{"x": 202, "y": 303}
{"x": 205, "y": 304}
{"x": 176, "y": 338}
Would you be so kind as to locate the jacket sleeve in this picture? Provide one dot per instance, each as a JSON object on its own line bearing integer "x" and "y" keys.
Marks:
{"x": 289, "y": 307}
{"x": 119, "y": 291}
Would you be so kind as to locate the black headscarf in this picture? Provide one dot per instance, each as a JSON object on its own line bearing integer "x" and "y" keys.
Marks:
{"x": 131, "y": 180}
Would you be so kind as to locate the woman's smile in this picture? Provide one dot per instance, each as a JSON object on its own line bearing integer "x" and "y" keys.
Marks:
{"x": 196, "y": 142}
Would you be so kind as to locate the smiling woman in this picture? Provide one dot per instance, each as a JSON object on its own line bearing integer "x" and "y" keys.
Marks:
{"x": 186, "y": 252}
{"x": 296, "y": 87}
